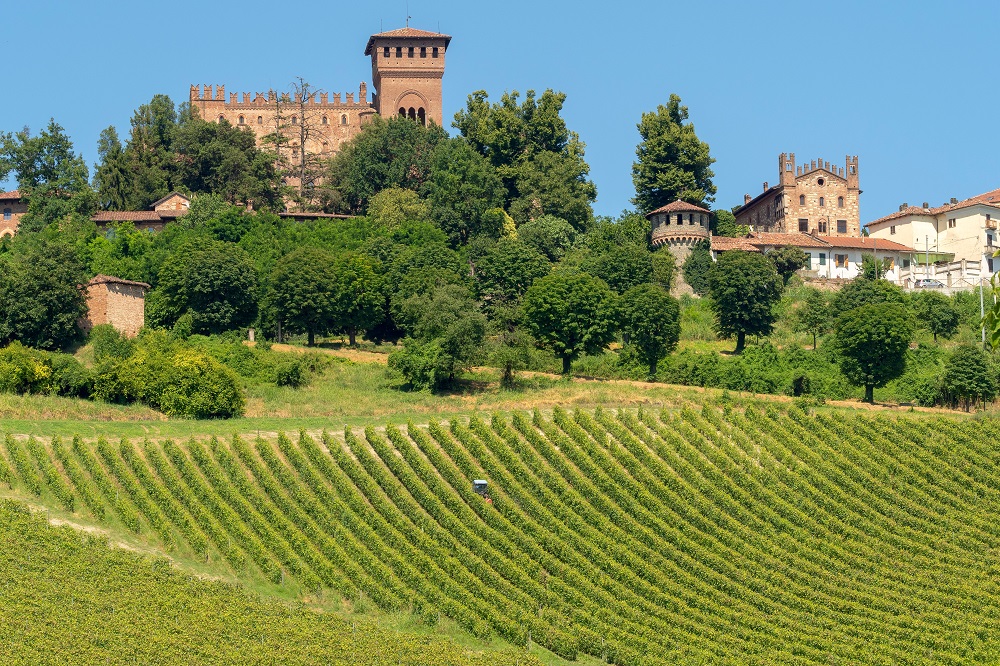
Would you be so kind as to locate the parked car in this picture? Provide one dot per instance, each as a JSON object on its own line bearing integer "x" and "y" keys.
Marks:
{"x": 928, "y": 283}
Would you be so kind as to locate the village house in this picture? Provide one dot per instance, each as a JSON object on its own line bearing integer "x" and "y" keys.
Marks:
{"x": 955, "y": 242}
{"x": 14, "y": 207}
{"x": 167, "y": 209}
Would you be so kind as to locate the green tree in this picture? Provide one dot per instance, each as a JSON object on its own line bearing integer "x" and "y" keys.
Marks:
{"x": 122, "y": 252}
{"x": 388, "y": 152}
{"x": 697, "y": 266}
{"x": 549, "y": 235}
{"x": 724, "y": 224}
{"x": 571, "y": 313}
{"x": 967, "y": 377}
{"x": 52, "y": 177}
{"x": 787, "y": 260}
{"x": 744, "y": 287}
{"x": 149, "y": 153}
{"x": 672, "y": 162}
{"x": 813, "y": 316}
{"x": 304, "y": 292}
{"x": 664, "y": 268}
{"x": 393, "y": 206}
{"x": 651, "y": 317}
{"x": 508, "y": 270}
{"x": 359, "y": 298}
{"x": 462, "y": 187}
{"x": 212, "y": 280}
{"x": 935, "y": 312}
{"x": 872, "y": 341}
{"x": 112, "y": 178}
{"x": 539, "y": 161}
{"x": 40, "y": 297}
{"x": 621, "y": 267}
{"x": 862, "y": 291}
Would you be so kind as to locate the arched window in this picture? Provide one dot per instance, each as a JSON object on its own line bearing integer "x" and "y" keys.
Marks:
{"x": 802, "y": 200}
{"x": 295, "y": 120}
{"x": 221, "y": 118}
{"x": 411, "y": 114}
{"x": 840, "y": 202}
{"x": 343, "y": 119}
{"x": 325, "y": 121}
{"x": 422, "y": 116}
{"x": 822, "y": 201}
{"x": 242, "y": 120}
{"x": 260, "y": 120}
{"x": 326, "y": 146}
{"x": 822, "y": 226}
{"x": 402, "y": 112}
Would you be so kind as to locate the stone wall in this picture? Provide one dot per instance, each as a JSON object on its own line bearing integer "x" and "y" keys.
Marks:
{"x": 120, "y": 304}
{"x": 11, "y": 212}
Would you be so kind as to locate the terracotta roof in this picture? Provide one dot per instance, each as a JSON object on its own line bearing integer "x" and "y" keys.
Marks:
{"x": 304, "y": 216}
{"x": 15, "y": 195}
{"x": 679, "y": 207}
{"x": 991, "y": 198}
{"x": 795, "y": 238}
{"x": 726, "y": 243}
{"x": 409, "y": 32}
{"x": 865, "y": 243}
{"x": 107, "y": 279}
{"x": 127, "y": 216}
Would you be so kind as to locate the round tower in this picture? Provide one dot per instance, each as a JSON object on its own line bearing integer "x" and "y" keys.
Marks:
{"x": 407, "y": 68}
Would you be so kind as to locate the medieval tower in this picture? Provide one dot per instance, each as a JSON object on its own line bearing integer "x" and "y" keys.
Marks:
{"x": 407, "y": 68}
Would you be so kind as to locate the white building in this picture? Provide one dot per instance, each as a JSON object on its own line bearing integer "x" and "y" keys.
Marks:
{"x": 832, "y": 257}
{"x": 954, "y": 242}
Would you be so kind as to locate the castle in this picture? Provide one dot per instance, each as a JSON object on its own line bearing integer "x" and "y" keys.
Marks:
{"x": 814, "y": 198}
{"x": 407, "y": 68}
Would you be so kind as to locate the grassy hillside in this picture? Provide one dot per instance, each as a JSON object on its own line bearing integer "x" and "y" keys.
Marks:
{"x": 687, "y": 536}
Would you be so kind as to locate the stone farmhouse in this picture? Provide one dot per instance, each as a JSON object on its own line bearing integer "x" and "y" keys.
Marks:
{"x": 954, "y": 241}
{"x": 814, "y": 198}
{"x": 14, "y": 207}
{"x": 111, "y": 300}
{"x": 167, "y": 209}
{"x": 407, "y": 69}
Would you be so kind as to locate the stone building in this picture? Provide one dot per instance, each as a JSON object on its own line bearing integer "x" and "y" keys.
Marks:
{"x": 121, "y": 303}
{"x": 167, "y": 209}
{"x": 814, "y": 198}
{"x": 407, "y": 69}
{"x": 13, "y": 207}
{"x": 679, "y": 225}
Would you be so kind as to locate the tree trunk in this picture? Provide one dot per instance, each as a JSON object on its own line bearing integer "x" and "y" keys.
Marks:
{"x": 814, "y": 342}
{"x": 566, "y": 365}
{"x": 312, "y": 339}
{"x": 352, "y": 336}
{"x": 870, "y": 393}
{"x": 741, "y": 342}
{"x": 652, "y": 370}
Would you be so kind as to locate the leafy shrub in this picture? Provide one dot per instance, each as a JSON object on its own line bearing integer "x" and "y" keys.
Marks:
{"x": 24, "y": 370}
{"x": 424, "y": 365}
{"x": 69, "y": 377}
{"x": 291, "y": 374}
{"x": 110, "y": 344}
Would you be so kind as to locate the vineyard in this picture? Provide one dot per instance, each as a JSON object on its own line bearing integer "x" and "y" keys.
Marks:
{"x": 729, "y": 535}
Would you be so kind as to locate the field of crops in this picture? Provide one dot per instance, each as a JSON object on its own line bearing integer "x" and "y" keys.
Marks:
{"x": 693, "y": 536}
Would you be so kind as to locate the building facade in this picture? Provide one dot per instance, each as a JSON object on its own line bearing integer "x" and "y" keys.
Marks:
{"x": 814, "y": 198}
{"x": 955, "y": 241}
{"x": 407, "y": 71}
{"x": 13, "y": 208}
{"x": 167, "y": 209}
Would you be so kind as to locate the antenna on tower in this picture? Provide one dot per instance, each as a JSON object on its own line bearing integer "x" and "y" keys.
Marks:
{"x": 408, "y": 15}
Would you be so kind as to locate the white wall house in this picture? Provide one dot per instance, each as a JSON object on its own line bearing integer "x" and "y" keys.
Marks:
{"x": 954, "y": 242}
{"x": 829, "y": 256}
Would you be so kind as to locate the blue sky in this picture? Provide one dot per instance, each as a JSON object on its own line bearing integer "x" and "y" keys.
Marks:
{"x": 908, "y": 87}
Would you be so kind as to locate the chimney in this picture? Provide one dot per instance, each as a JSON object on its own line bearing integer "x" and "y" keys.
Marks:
{"x": 954, "y": 200}
{"x": 765, "y": 186}
{"x": 903, "y": 206}
{"x": 746, "y": 199}
{"x": 926, "y": 205}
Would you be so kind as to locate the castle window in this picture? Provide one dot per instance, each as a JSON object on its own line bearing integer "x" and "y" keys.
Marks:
{"x": 221, "y": 118}
{"x": 820, "y": 182}
{"x": 295, "y": 120}
{"x": 802, "y": 200}
{"x": 822, "y": 226}
{"x": 242, "y": 120}
{"x": 840, "y": 202}
{"x": 680, "y": 218}
{"x": 434, "y": 52}
{"x": 853, "y": 169}
{"x": 423, "y": 51}
{"x": 385, "y": 52}
{"x": 892, "y": 229}
{"x": 260, "y": 120}
{"x": 325, "y": 121}
{"x": 402, "y": 112}
{"x": 422, "y": 116}
{"x": 822, "y": 201}
{"x": 326, "y": 146}
{"x": 411, "y": 114}
{"x": 343, "y": 119}
{"x": 841, "y": 226}
{"x": 804, "y": 225}
{"x": 399, "y": 51}
{"x": 409, "y": 51}
{"x": 6, "y": 213}
{"x": 788, "y": 166}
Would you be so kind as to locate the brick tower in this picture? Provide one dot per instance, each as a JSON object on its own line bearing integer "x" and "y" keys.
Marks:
{"x": 407, "y": 67}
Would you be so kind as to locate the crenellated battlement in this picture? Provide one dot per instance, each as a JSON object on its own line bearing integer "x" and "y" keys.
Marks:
{"x": 208, "y": 95}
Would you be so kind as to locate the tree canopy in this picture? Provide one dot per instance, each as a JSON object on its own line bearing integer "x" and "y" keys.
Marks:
{"x": 744, "y": 287}
{"x": 872, "y": 341}
{"x": 652, "y": 319}
{"x": 671, "y": 162}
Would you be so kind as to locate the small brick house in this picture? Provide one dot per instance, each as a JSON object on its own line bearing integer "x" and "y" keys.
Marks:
{"x": 111, "y": 300}
{"x": 167, "y": 209}
{"x": 13, "y": 207}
